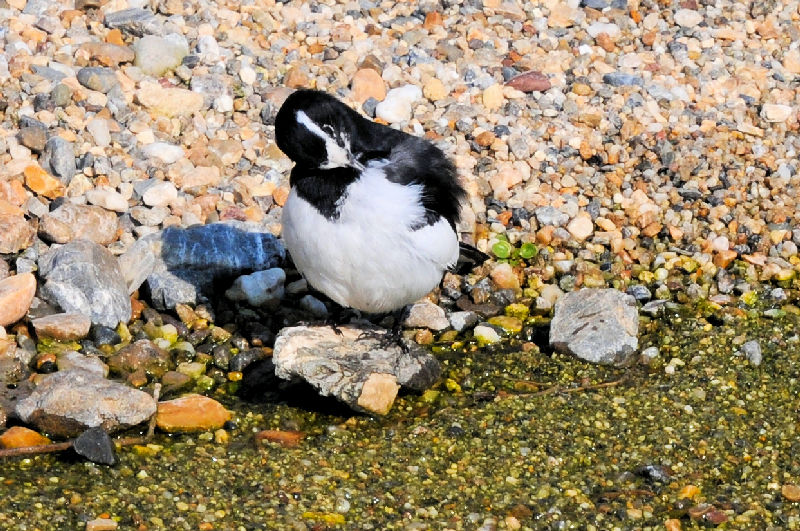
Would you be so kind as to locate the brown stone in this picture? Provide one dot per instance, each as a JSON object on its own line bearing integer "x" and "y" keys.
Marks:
{"x": 13, "y": 191}
{"x": 62, "y": 326}
{"x": 652, "y": 229}
{"x": 485, "y": 139}
{"x": 791, "y": 492}
{"x": 72, "y": 221}
{"x": 102, "y": 524}
{"x": 108, "y": 54}
{"x": 16, "y": 294}
{"x": 16, "y": 234}
{"x": 115, "y": 37}
{"x": 169, "y": 101}
{"x": 42, "y": 183}
{"x": 605, "y": 41}
{"x": 649, "y": 38}
{"x": 32, "y": 137}
{"x": 724, "y": 258}
{"x": 21, "y": 437}
{"x": 296, "y": 77}
{"x": 432, "y": 20}
{"x": 367, "y": 83}
{"x": 280, "y": 195}
{"x": 378, "y": 393}
{"x": 191, "y": 413}
{"x": 195, "y": 177}
{"x": 285, "y": 438}
{"x": 673, "y": 524}
{"x": 142, "y": 354}
{"x": 581, "y": 89}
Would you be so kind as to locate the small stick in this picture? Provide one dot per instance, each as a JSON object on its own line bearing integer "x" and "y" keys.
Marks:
{"x": 33, "y": 450}
{"x": 560, "y": 389}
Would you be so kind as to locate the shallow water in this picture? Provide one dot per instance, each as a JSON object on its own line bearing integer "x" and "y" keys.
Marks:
{"x": 513, "y": 436}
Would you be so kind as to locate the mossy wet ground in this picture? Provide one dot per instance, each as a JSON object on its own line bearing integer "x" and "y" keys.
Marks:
{"x": 513, "y": 436}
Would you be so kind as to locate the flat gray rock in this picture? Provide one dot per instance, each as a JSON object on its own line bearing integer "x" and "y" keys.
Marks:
{"x": 84, "y": 277}
{"x": 596, "y": 325}
{"x": 67, "y": 403}
{"x": 179, "y": 265}
{"x": 359, "y": 372}
{"x": 134, "y": 21}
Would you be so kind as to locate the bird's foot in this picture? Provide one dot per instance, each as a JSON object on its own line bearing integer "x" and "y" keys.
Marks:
{"x": 385, "y": 338}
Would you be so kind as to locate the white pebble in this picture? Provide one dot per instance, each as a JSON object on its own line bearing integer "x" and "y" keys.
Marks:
{"x": 164, "y": 151}
{"x": 98, "y": 128}
{"x": 160, "y": 194}
{"x": 107, "y": 198}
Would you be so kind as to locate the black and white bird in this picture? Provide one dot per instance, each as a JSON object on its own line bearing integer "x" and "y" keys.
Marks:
{"x": 371, "y": 215}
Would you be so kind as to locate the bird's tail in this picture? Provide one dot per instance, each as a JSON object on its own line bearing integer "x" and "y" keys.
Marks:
{"x": 468, "y": 258}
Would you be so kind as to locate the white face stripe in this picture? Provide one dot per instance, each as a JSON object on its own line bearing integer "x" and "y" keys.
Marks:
{"x": 338, "y": 156}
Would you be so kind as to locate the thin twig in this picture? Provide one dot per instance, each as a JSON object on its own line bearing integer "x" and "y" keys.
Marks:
{"x": 561, "y": 389}
{"x": 38, "y": 449}
{"x": 66, "y": 445}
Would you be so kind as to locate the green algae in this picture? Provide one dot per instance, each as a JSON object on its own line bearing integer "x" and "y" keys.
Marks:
{"x": 513, "y": 436}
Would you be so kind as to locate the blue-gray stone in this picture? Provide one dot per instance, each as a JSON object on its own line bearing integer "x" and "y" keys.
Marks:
{"x": 59, "y": 158}
{"x": 97, "y": 78}
{"x": 595, "y": 4}
{"x": 50, "y": 74}
{"x": 84, "y": 277}
{"x": 620, "y": 79}
{"x": 180, "y": 265}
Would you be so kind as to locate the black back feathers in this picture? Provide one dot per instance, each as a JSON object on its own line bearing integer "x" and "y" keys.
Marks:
{"x": 409, "y": 159}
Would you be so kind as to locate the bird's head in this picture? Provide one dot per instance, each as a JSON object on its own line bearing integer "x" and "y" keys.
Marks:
{"x": 315, "y": 130}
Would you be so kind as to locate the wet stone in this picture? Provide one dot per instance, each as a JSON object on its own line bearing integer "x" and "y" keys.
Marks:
{"x": 67, "y": 403}
{"x": 752, "y": 351}
{"x": 359, "y": 372}
{"x": 191, "y": 413}
{"x": 62, "y": 326}
{"x": 96, "y": 446}
{"x": 142, "y": 354}
{"x": 596, "y": 325}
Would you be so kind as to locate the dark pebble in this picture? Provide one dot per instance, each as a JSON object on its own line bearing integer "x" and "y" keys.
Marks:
{"x": 48, "y": 367}
{"x": 240, "y": 361}
{"x": 191, "y": 61}
{"x": 639, "y": 292}
{"x": 95, "y": 445}
{"x": 103, "y": 335}
{"x": 654, "y": 473}
{"x": 501, "y": 130}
